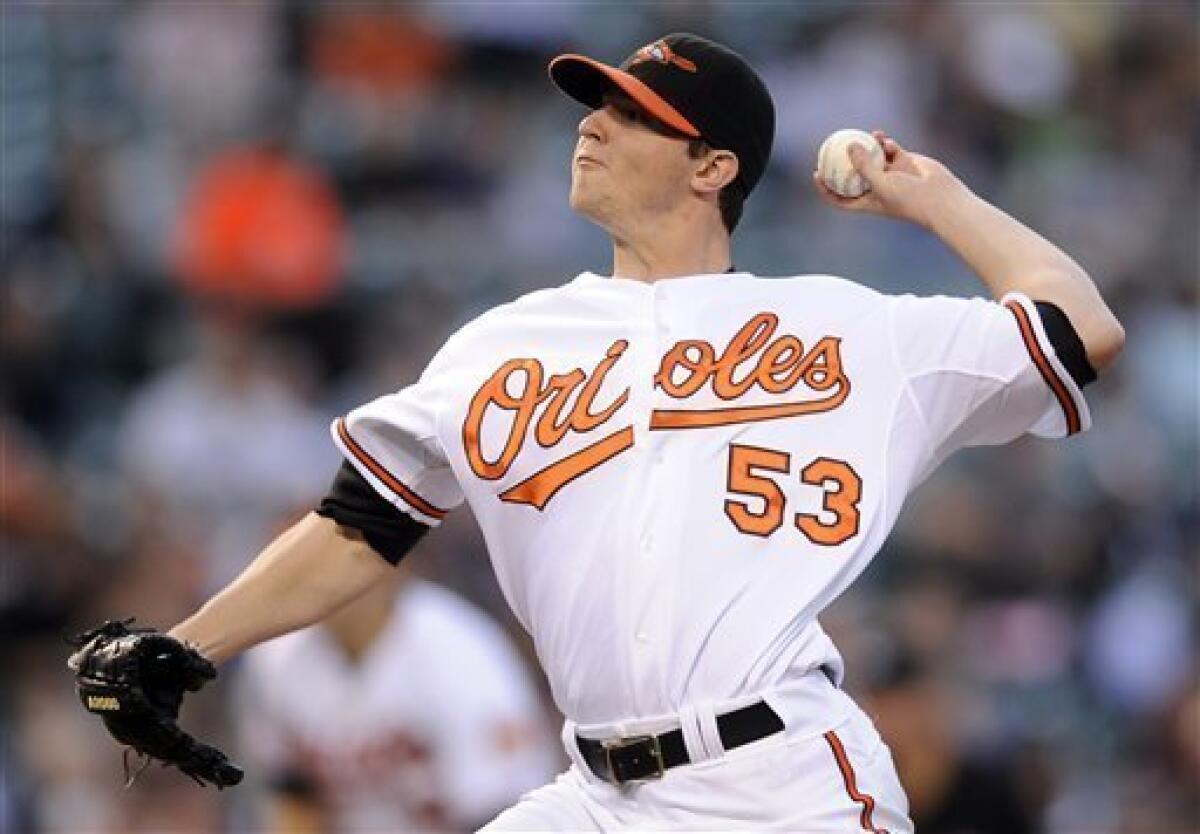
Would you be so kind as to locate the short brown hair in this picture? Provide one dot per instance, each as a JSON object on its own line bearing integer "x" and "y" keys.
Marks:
{"x": 731, "y": 200}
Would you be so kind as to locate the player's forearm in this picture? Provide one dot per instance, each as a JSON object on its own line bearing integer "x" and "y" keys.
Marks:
{"x": 307, "y": 573}
{"x": 1009, "y": 256}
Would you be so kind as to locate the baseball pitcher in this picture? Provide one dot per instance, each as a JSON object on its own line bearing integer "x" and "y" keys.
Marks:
{"x": 677, "y": 466}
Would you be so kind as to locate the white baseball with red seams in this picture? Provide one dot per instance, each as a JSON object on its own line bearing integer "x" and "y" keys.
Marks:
{"x": 834, "y": 166}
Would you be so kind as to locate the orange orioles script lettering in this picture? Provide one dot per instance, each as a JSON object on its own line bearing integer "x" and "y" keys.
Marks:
{"x": 752, "y": 359}
{"x": 549, "y": 408}
{"x": 551, "y": 397}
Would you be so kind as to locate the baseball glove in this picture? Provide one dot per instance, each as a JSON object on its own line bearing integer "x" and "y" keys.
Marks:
{"x": 134, "y": 679}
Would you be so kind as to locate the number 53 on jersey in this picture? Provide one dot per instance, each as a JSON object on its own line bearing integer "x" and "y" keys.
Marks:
{"x": 757, "y": 505}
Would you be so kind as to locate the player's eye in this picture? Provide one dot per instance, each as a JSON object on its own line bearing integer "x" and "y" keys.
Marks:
{"x": 627, "y": 111}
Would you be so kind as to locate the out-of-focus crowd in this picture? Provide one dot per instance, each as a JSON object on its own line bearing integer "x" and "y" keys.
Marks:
{"x": 225, "y": 224}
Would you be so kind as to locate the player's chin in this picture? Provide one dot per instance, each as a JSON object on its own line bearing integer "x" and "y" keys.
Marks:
{"x": 591, "y": 203}
{"x": 581, "y": 199}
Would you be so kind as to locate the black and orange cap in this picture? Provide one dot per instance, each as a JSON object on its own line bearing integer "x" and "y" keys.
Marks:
{"x": 696, "y": 86}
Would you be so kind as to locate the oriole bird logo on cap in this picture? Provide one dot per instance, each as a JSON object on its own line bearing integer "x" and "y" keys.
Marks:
{"x": 662, "y": 53}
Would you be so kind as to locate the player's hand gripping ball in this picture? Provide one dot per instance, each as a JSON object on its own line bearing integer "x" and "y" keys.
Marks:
{"x": 835, "y": 168}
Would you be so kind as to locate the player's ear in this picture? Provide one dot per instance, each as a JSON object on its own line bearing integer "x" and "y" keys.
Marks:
{"x": 714, "y": 170}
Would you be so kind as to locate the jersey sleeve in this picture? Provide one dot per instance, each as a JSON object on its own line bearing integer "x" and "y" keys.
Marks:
{"x": 982, "y": 372}
{"x": 393, "y": 442}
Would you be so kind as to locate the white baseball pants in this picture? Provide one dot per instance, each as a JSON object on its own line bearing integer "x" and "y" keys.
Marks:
{"x": 839, "y": 780}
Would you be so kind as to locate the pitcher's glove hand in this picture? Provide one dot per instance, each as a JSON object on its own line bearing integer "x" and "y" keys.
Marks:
{"x": 134, "y": 679}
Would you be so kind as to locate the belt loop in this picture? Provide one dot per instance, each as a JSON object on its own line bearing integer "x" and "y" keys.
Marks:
{"x": 710, "y": 734}
{"x": 689, "y": 723}
{"x": 572, "y": 748}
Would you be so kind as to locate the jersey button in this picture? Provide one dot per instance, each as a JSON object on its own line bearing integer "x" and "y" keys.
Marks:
{"x": 647, "y": 541}
{"x": 642, "y": 637}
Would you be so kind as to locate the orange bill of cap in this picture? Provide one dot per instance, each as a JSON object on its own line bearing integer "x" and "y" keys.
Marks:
{"x": 586, "y": 80}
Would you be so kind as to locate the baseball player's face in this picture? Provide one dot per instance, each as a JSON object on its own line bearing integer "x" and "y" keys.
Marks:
{"x": 627, "y": 169}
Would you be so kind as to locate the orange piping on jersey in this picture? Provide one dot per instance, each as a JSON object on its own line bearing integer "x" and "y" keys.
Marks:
{"x": 417, "y": 502}
{"x": 865, "y": 799}
{"x": 1070, "y": 410}
{"x": 540, "y": 487}
{"x": 682, "y": 418}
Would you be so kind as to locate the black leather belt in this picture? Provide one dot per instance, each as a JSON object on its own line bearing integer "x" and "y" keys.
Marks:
{"x": 636, "y": 758}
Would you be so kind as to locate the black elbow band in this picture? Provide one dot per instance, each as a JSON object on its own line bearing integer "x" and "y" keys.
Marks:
{"x": 1067, "y": 344}
{"x": 353, "y": 503}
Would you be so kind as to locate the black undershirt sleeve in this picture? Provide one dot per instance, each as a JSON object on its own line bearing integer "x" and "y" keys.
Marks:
{"x": 353, "y": 503}
{"x": 1067, "y": 344}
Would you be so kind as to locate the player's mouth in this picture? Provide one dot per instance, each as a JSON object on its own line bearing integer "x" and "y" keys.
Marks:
{"x": 585, "y": 161}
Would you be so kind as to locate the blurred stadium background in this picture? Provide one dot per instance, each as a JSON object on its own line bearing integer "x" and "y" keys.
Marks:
{"x": 225, "y": 223}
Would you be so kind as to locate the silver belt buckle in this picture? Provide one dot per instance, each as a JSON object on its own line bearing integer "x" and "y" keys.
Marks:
{"x": 654, "y": 748}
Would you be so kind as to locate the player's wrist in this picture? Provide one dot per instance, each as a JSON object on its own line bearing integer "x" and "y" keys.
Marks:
{"x": 946, "y": 206}
{"x": 191, "y": 633}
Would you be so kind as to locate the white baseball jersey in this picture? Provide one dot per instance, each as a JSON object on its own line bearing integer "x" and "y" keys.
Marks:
{"x": 675, "y": 478}
{"x": 436, "y": 726}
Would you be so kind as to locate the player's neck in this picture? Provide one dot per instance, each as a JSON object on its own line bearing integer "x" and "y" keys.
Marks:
{"x": 670, "y": 250}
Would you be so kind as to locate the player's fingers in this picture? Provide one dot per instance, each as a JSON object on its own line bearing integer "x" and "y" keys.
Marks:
{"x": 890, "y": 146}
{"x": 826, "y": 193}
{"x": 828, "y": 196}
{"x": 870, "y": 168}
{"x": 864, "y": 203}
{"x": 904, "y": 162}
{"x": 898, "y": 159}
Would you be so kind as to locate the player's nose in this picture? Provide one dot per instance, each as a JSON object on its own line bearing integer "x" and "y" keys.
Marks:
{"x": 590, "y": 126}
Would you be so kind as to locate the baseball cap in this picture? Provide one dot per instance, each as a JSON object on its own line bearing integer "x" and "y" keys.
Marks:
{"x": 696, "y": 86}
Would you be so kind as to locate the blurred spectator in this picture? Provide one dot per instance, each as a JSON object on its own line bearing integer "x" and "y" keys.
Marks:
{"x": 376, "y": 50}
{"x": 1141, "y": 643}
{"x": 224, "y": 447}
{"x": 407, "y": 710}
{"x": 205, "y": 71}
{"x": 262, "y": 229}
{"x": 46, "y": 569}
{"x": 951, "y": 788}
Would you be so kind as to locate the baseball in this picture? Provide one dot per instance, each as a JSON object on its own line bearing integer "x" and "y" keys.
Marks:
{"x": 834, "y": 166}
